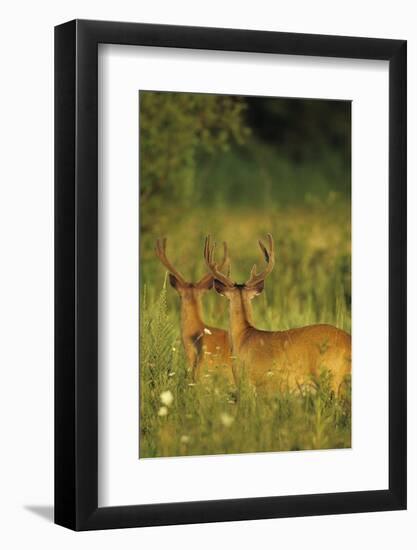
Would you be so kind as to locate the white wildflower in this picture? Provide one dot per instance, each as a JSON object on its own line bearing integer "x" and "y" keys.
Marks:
{"x": 174, "y": 349}
{"x": 166, "y": 398}
{"x": 171, "y": 373}
{"x": 163, "y": 411}
{"x": 207, "y": 331}
{"x": 226, "y": 419}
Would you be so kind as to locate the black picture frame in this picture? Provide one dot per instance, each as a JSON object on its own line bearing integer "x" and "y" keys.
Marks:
{"x": 76, "y": 272}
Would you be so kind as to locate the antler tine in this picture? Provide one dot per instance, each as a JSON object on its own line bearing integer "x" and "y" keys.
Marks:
{"x": 225, "y": 263}
{"x": 269, "y": 255}
{"x": 160, "y": 250}
{"x": 226, "y": 260}
{"x": 211, "y": 264}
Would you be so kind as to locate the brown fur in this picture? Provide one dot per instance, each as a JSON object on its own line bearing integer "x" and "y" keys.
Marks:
{"x": 289, "y": 359}
{"x": 280, "y": 360}
{"x": 208, "y": 349}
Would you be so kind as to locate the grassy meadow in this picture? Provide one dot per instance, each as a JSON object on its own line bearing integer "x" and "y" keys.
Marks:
{"x": 238, "y": 195}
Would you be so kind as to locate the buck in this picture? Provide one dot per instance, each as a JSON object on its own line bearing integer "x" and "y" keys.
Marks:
{"x": 207, "y": 348}
{"x": 290, "y": 359}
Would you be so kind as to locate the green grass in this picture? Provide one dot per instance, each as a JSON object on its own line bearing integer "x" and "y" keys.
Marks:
{"x": 310, "y": 284}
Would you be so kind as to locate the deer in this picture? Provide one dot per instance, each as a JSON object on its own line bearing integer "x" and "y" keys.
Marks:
{"x": 207, "y": 348}
{"x": 286, "y": 360}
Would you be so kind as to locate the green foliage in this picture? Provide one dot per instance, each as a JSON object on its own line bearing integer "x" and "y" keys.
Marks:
{"x": 259, "y": 175}
{"x": 303, "y": 130}
{"x": 174, "y": 129}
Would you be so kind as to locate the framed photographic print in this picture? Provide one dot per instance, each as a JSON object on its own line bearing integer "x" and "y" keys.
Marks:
{"x": 230, "y": 252}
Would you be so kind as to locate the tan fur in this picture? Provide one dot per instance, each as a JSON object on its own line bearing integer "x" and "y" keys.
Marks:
{"x": 285, "y": 360}
{"x": 279, "y": 360}
{"x": 208, "y": 349}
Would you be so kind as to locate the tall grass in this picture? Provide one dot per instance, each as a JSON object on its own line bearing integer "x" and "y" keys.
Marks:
{"x": 310, "y": 284}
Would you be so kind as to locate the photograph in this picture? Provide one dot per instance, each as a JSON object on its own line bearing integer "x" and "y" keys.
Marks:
{"x": 245, "y": 274}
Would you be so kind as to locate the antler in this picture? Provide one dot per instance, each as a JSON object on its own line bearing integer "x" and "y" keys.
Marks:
{"x": 215, "y": 268}
{"x": 224, "y": 264}
{"x": 160, "y": 250}
{"x": 269, "y": 255}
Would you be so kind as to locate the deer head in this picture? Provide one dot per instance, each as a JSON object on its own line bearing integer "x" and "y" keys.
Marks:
{"x": 177, "y": 281}
{"x": 226, "y": 286}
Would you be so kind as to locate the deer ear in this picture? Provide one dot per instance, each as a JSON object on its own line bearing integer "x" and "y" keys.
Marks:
{"x": 219, "y": 287}
{"x": 258, "y": 288}
{"x": 173, "y": 281}
{"x": 206, "y": 284}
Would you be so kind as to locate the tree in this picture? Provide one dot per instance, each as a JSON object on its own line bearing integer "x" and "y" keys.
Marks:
{"x": 174, "y": 129}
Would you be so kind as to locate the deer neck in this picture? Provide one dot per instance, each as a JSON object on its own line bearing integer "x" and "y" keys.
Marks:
{"x": 191, "y": 316}
{"x": 240, "y": 318}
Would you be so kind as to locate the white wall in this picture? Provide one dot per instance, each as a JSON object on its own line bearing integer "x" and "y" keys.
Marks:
{"x": 26, "y": 287}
